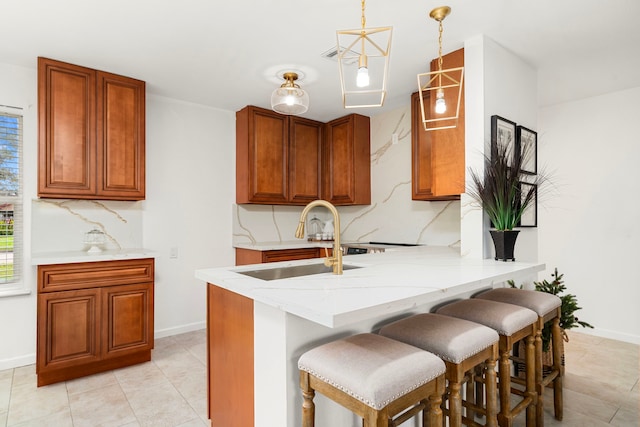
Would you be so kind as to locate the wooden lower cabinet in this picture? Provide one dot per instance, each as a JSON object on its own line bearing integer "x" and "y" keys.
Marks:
{"x": 249, "y": 256}
{"x": 93, "y": 317}
{"x": 230, "y": 358}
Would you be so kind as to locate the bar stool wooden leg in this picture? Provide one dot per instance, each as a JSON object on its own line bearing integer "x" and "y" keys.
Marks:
{"x": 455, "y": 403}
{"x": 504, "y": 376}
{"x": 491, "y": 392}
{"x": 308, "y": 407}
{"x": 556, "y": 339}
{"x": 530, "y": 388}
{"x": 433, "y": 416}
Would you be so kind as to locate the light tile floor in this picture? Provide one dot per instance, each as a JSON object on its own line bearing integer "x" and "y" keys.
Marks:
{"x": 601, "y": 389}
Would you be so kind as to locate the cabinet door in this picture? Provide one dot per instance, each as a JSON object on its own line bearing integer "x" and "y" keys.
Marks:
{"x": 121, "y": 137}
{"x": 305, "y": 144}
{"x": 261, "y": 156}
{"x": 67, "y": 130}
{"x": 128, "y": 315}
{"x": 68, "y": 329}
{"x": 438, "y": 162}
{"x": 346, "y": 161}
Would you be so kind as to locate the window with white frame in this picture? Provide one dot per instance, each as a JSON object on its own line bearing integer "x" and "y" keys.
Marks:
{"x": 11, "y": 198}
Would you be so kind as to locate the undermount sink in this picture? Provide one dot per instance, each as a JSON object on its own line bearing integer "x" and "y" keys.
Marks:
{"x": 294, "y": 271}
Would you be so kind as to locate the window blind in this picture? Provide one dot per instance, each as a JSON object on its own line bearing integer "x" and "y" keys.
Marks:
{"x": 11, "y": 196}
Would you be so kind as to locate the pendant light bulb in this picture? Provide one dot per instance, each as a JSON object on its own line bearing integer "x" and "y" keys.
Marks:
{"x": 289, "y": 99}
{"x": 441, "y": 105}
{"x": 362, "y": 78}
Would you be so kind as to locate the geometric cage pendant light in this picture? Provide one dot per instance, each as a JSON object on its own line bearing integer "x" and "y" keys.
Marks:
{"x": 442, "y": 88}
{"x": 363, "y": 59}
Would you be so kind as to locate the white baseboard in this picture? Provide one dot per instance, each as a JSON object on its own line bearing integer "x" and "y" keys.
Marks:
{"x": 16, "y": 362}
{"x": 161, "y": 333}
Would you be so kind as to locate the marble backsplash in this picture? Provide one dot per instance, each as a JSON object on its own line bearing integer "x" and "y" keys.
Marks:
{"x": 392, "y": 215}
{"x": 60, "y": 225}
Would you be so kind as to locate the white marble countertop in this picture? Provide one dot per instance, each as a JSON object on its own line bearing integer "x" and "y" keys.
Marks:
{"x": 46, "y": 258}
{"x": 290, "y": 244}
{"x": 387, "y": 283}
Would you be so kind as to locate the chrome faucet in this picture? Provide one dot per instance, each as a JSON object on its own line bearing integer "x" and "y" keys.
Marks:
{"x": 335, "y": 260}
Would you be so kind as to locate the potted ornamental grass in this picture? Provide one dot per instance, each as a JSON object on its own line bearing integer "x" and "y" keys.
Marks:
{"x": 502, "y": 195}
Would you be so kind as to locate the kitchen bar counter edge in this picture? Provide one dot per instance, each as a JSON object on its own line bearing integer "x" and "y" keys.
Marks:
{"x": 386, "y": 284}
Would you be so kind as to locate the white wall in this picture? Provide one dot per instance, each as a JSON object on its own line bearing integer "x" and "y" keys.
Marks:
{"x": 190, "y": 188}
{"x": 497, "y": 83}
{"x": 591, "y": 229}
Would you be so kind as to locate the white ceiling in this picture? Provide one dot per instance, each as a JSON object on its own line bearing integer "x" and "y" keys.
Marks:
{"x": 225, "y": 53}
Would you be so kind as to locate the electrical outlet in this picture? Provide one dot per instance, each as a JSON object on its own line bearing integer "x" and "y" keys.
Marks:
{"x": 173, "y": 252}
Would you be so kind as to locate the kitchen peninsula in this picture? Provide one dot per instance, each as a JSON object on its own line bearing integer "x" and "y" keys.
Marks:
{"x": 257, "y": 329}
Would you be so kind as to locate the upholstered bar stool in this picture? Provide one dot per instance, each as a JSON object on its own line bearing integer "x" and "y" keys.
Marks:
{"x": 374, "y": 377}
{"x": 463, "y": 346}
{"x": 512, "y": 323}
{"x": 548, "y": 308}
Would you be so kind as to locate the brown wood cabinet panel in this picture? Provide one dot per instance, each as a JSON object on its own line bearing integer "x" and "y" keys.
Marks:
{"x": 67, "y": 132}
{"x": 305, "y": 145}
{"x": 91, "y": 134}
{"x": 261, "y": 156}
{"x": 60, "y": 277}
{"x": 129, "y": 326}
{"x": 93, "y": 317}
{"x": 121, "y": 137}
{"x": 346, "y": 161}
{"x": 249, "y": 256}
{"x": 230, "y": 358}
{"x": 68, "y": 329}
{"x": 438, "y": 157}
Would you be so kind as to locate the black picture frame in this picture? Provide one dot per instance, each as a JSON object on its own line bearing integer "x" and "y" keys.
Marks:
{"x": 529, "y": 217}
{"x": 527, "y": 149}
{"x": 503, "y": 134}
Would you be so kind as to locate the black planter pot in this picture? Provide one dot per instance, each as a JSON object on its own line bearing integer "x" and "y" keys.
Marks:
{"x": 504, "y": 242}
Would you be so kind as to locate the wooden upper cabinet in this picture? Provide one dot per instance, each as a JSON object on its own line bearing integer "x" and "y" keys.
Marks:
{"x": 121, "y": 137}
{"x": 438, "y": 164}
{"x": 67, "y": 130}
{"x": 277, "y": 157}
{"x": 346, "y": 161}
{"x": 305, "y": 145}
{"x": 91, "y": 139}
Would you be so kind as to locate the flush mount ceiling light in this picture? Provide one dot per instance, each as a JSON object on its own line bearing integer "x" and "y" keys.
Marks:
{"x": 363, "y": 61}
{"x": 289, "y": 98}
{"x": 442, "y": 88}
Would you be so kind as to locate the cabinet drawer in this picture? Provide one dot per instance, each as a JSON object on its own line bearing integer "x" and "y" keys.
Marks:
{"x": 59, "y": 277}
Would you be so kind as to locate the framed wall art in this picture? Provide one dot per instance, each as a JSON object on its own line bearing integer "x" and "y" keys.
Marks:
{"x": 527, "y": 149}
{"x": 503, "y": 134}
{"x": 529, "y": 217}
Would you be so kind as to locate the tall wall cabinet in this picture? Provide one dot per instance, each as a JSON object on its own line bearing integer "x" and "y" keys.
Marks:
{"x": 91, "y": 142}
{"x": 291, "y": 160}
{"x": 346, "y": 163}
{"x": 93, "y": 317}
{"x": 438, "y": 164}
